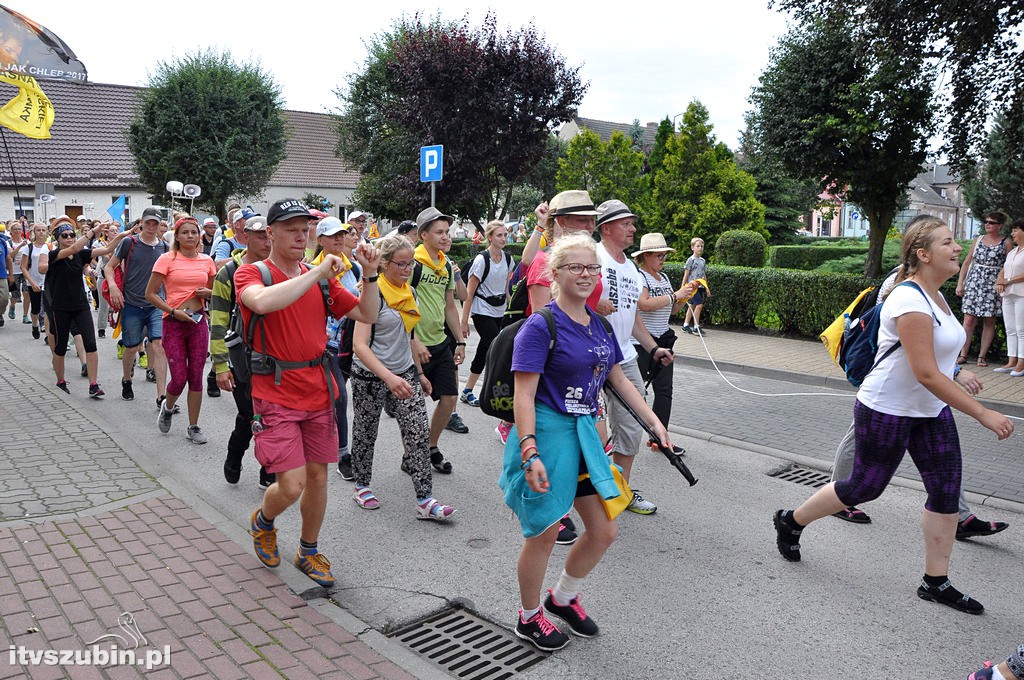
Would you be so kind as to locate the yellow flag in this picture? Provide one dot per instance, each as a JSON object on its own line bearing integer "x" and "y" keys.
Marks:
{"x": 30, "y": 112}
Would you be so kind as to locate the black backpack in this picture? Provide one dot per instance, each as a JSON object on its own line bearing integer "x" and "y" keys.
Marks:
{"x": 348, "y": 328}
{"x": 417, "y": 272}
{"x": 497, "y": 390}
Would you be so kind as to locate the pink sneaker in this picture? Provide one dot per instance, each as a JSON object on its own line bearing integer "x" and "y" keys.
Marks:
{"x": 503, "y": 429}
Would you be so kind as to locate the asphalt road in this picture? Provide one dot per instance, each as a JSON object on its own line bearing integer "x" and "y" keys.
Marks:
{"x": 695, "y": 591}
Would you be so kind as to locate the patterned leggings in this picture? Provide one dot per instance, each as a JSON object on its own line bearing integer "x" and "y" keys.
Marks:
{"x": 882, "y": 439}
{"x": 369, "y": 394}
{"x": 186, "y": 344}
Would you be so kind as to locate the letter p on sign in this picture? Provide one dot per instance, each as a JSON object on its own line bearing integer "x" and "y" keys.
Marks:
{"x": 431, "y": 163}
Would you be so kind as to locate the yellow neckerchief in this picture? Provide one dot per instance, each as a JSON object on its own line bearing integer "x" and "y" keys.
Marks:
{"x": 346, "y": 264}
{"x": 421, "y": 256}
{"x": 400, "y": 299}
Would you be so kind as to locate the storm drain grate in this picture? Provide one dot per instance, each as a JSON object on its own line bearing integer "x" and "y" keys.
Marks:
{"x": 802, "y": 475}
{"x": 467, "y": 646}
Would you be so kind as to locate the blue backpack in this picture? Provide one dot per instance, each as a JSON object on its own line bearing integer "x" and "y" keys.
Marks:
{"x": 860, "y": 342}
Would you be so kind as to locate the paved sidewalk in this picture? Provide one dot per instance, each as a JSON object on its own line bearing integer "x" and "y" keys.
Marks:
{"x": 87, "y": 537}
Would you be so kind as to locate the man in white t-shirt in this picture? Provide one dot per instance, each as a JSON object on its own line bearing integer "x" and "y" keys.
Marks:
{"x": 621, "y": 285}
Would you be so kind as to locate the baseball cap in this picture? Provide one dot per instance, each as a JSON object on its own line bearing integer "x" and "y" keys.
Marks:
{"x": 209, "y": 221}
{"x": 256, "y": 223}
{"x": 355, "y": 215}
{"x": 406, "y": 226}
{"x": 151, "y": 213}
{"x": 329, "y": 226}
{"x": 287, "y": 208}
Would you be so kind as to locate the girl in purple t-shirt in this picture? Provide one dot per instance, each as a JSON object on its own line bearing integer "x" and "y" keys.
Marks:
{"x": 555, "y": 440}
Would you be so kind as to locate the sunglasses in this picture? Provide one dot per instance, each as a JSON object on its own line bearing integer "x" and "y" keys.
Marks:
{"x": 992, "y": 222}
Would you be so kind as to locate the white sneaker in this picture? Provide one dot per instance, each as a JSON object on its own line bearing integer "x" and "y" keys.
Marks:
{"x": 641, "y": 505}
{"x": 163, "y": 420}
{"x": 195, "y": 435}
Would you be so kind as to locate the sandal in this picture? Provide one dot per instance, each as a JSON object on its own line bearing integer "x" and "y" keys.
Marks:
{"x": 439, "y": 462}
{"x": 973, "y": 526}
{"x": 982, "y": 362}
{"x": 964, "y": 603}
{"x": 961, "y": 360}
{"x": 854, "y": 515}
{"x": 365, "y": 499}
{"x": 434, "y": 510}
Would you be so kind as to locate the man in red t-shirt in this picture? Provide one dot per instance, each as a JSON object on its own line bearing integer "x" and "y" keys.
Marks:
{"x": 293, "y": 417}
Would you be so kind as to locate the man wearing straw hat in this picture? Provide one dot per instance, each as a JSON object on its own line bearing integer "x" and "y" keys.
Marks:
{"x": 622, "y": 284}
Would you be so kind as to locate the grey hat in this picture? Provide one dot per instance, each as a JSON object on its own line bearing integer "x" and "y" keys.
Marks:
{"x": 256, "y": 223}
{"x": 429, "y": 215}
{"x": 612, "y": 210}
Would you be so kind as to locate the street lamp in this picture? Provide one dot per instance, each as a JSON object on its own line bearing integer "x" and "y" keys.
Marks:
{"x": 674, "y": 120}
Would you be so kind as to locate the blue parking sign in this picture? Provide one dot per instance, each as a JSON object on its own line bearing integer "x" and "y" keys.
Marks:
{"x": 431, "y": 163}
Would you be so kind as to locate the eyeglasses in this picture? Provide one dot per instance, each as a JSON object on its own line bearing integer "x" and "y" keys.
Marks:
{"x": 403, "y": 265}
{"x": 577, "y": 268}
{"x": 660, "y": 256}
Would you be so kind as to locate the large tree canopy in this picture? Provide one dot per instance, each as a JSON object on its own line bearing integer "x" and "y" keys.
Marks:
{"x": 833, "y": 109}
{"x": 997, "y": 183}
{"x": 606, "y": 170}
{"x": 206, "y": 120}
{"x": 491, "y": 98}
{"x": 977, "y": 43}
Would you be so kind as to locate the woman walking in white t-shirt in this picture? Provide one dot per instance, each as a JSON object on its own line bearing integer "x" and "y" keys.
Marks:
{"x": 904, "y": 405}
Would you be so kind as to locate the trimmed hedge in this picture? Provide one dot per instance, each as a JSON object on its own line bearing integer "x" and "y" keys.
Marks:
{"x": 809, "y": 257}
{"x": 742, "y": 248}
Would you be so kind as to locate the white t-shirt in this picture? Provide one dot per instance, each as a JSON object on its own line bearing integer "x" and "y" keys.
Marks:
{"x": 891, "y": 387}
{"x": 497, "y": 277}
{"x": 1014, "y": 267}
{"x": 621, "y": 285}
{"x": 33, "y": 265}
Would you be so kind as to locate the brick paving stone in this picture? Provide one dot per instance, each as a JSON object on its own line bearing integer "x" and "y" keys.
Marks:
{"x": 389, "y": 671}
{"x": 201, "y": 646}
{"x": 356, "y": 668}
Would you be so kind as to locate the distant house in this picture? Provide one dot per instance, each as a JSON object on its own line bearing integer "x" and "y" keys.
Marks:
{"x": 604, "y": 130}
{"x": 86, "y": 165}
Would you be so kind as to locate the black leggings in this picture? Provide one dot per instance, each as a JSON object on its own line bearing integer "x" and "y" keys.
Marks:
{"x": 487, "y": 327}
{"x": 61, "y": 324}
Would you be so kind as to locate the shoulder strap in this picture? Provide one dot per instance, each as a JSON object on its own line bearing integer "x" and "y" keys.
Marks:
{"x": 549, "y": 317}
{"x": 417, "y": 273}
{"x": 487, "y": 265}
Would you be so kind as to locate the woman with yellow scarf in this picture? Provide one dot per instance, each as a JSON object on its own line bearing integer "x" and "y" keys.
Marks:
{"x": 385, "y": 371}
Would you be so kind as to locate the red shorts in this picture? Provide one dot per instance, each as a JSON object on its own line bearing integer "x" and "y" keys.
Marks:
{"x": 291, "y": 438}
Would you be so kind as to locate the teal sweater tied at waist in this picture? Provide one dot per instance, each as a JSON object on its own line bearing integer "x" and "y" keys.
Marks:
{"x": 561, "y": 440}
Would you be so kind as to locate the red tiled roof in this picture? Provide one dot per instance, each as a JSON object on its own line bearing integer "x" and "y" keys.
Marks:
{"x": 88, "y": 146}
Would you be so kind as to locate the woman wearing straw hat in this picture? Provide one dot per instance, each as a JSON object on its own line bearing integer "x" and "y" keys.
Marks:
{"x": 658, "y": 302}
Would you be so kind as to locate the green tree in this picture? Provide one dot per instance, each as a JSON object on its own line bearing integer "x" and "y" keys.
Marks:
{"x": 997, "y": 183}
{"x": 976, "y": 44}
{"x": 831, "y": 109}
{"x": 665, "y": 132}
{"x": 612, "y": 170}
{"x": 636, "y": 135}
{"x": 699, "y": 191}
{"x": 206, "y": 120}
{"x": 491, "y": 98}
{"x": 785, "y": 198}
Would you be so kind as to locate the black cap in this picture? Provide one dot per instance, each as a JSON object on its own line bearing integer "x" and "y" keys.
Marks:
{"x": 287, "y": 208}
{"x": 406, "y": 227}
{"x": 151, "y": 213}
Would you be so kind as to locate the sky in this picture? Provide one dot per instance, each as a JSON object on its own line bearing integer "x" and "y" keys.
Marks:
{"x": 645, "y": 61}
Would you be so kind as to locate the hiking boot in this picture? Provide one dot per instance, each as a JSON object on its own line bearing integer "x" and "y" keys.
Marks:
{"x": 264, "y": 542}
{"x": 232, "y": 469}
{"x": 787, "y": 539}
{"x": 467, "y": 397}
{"x": 544, "y": 635}
{"x": 455, "y": 424}
{"x": 63, "y": 386}
{"x": 195, "y": 435}
{"x": 641, "y": 505}
{"x": 163, "y": 419}
{"x": 316, "y": 567}
{"x": 972, "y": 526}
{"x": 573, "y": 615}
{"x": 266, "y": 478}
{"x": 127, "y": 393}
{"x": 345, "y": 467}
{"x": 95, "y": 391}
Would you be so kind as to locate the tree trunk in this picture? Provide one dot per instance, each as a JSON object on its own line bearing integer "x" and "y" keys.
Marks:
{"x": 880, "y": 221}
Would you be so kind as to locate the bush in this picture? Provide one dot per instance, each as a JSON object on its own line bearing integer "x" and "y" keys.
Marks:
{"x": 462, "y": 250}
{"x": 811, "y": 256}
{"x": 741, "y": 248}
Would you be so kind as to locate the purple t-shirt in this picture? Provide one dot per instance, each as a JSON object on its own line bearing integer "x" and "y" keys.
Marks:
{"x": 583, "y": 355}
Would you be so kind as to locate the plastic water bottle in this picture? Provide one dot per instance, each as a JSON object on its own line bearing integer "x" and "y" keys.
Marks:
{"x": 257, "y": 424}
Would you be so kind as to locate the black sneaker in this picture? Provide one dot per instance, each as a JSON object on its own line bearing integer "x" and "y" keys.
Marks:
{"x": 212, "y": 389}
{"x": 150, "y": 375}
{"x": 544, "y": 635}
{"x": 127, "y": 393}
{"x": 63, "y": 386}
{"x": 101, "y": 333}
{"x": 266, "y": 478}
{"x": 566, "y": 534}
{"x": 455, "y": 424}
{"x": 787, "y": 539}
{"x": 85, "y": 371}
{"x": 573, "y": 615}
{"x": 345, "y": 467}
{"x": 232, "y": 469}
{"x": 95, "y": 391}
{"x": 35, "y": 332}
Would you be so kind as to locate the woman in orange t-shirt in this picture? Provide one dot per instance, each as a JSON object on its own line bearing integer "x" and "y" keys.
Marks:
{"x": 186, "y": 274}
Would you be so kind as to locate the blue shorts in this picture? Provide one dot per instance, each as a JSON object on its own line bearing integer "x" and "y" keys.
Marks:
{"x": 139, "y": 323}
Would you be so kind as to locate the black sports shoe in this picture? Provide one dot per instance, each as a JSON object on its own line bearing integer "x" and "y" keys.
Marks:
{"x": 573, "y": 615}
{"x": 266, "y": 478}
{"x": 345, "y": 467}
{"x": 150, "y": 375}
{"x": 127, "y": 393}
{"x": 35, "y": 332}
{"x": 544, "y": 635}
{"x": 786, "y": 538}
{"x": 566, "y": 532}
{"x": 101, "y": 333}
{"x": 455, "y": 424}
{"x": 95, "y": 391}
{"x": 63, "y": 385}
{"x": 232, "y": 469}
{"x": 85, "y": 371}
{"x": 212, "y": 389}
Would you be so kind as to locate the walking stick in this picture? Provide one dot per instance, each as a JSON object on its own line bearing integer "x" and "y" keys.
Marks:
{"x": 676, "y": 461}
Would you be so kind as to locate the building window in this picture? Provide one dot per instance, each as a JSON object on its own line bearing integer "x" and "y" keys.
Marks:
{"x": 26, "y": 207}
